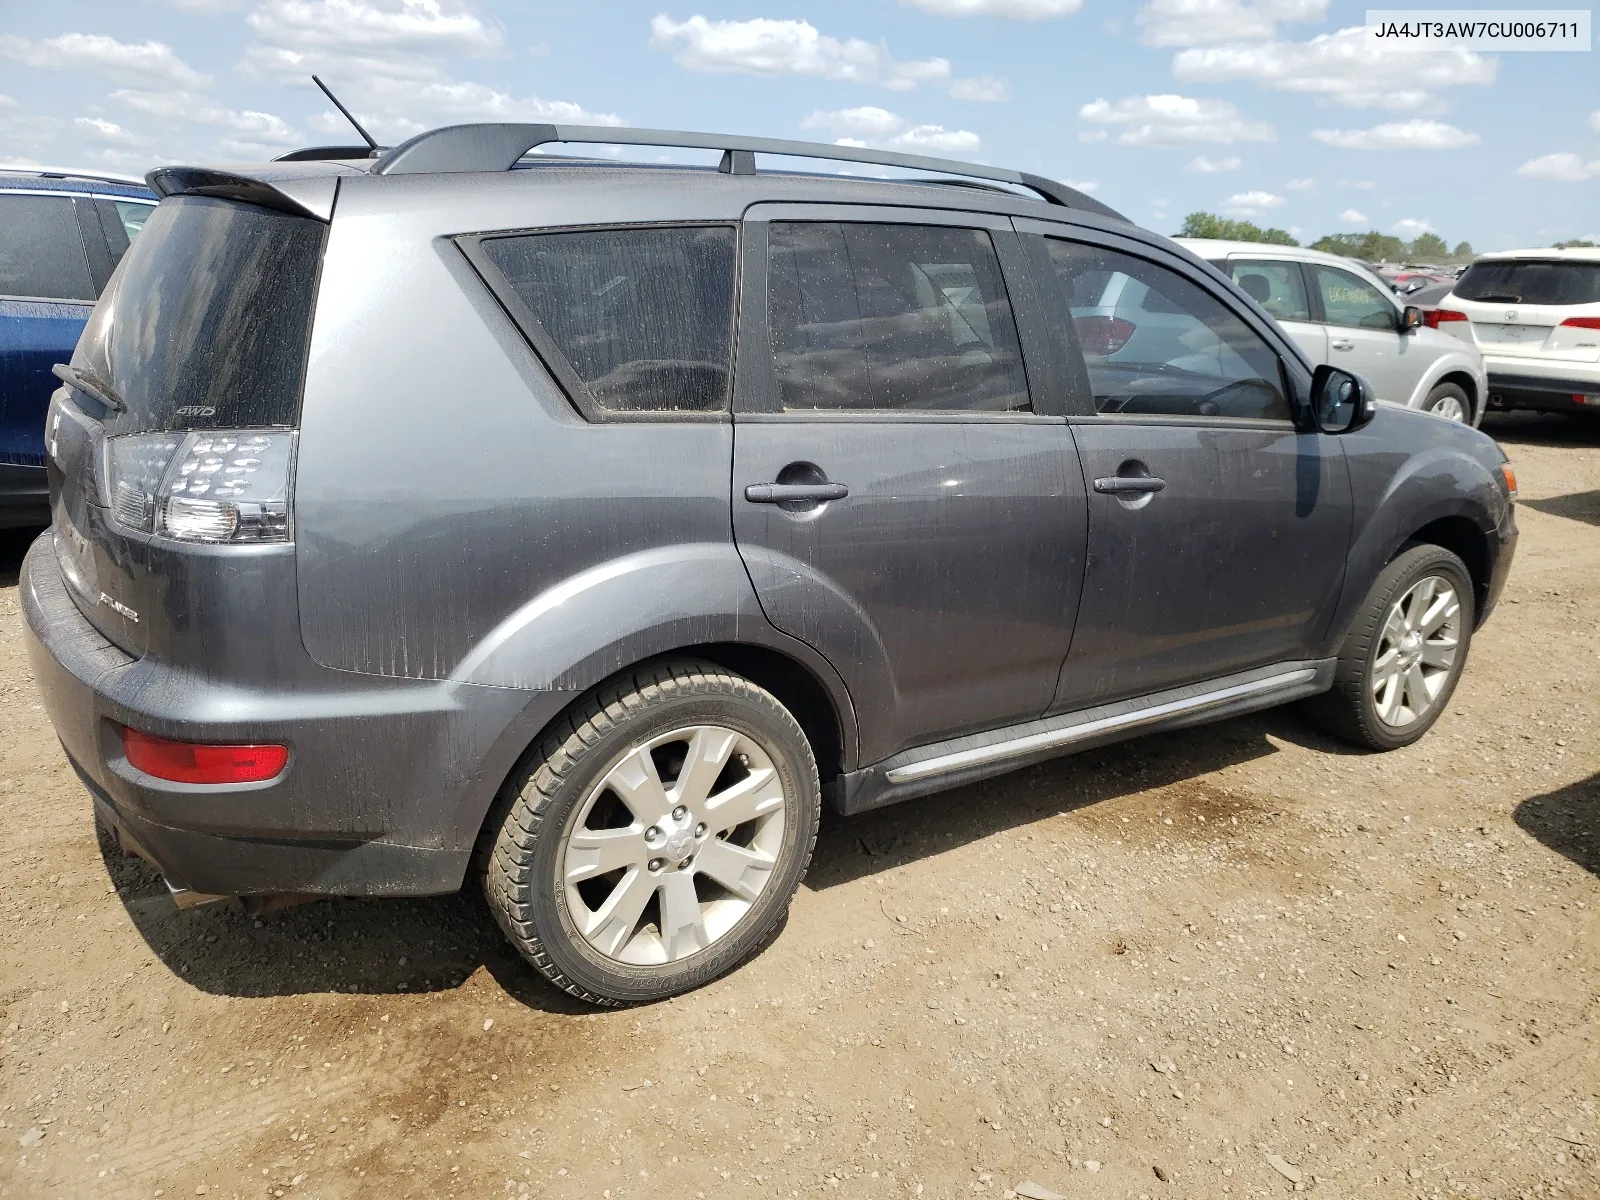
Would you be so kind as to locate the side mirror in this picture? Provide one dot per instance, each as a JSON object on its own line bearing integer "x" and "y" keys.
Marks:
{"x": 1340, "y": 401}
{"x": 1411, "y": 318}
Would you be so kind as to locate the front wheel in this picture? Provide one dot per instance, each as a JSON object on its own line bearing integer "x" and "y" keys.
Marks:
{"x": 654, "y": 839}
{"x": 1450, "y": 402}
{"x": 1404, "y": 653}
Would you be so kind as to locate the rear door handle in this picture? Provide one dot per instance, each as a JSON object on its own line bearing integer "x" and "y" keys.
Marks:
{"x": 783, "y": 493}
{"x": 1122, "y": 485}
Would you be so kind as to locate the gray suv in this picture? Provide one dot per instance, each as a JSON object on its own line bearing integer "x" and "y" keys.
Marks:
{"x": 580, "y": 528}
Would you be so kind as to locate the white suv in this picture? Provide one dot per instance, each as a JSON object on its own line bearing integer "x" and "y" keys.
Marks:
{"x": 1535, "y": 315}
{"x": 1341, "y": 313}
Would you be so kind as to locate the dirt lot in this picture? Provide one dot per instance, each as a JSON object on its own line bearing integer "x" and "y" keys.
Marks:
{"x": 1142, "y": 972}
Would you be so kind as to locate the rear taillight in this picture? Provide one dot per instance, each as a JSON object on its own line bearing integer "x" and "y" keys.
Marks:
{"x": 218, "y": 486}
{"x": 1103, "y": 335}
{"x": 1581, "y": 323}
{"x": 201, "y": 762}
{"x": 1441, "y": 316}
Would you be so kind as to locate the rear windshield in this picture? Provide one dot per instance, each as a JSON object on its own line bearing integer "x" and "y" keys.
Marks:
{"x": 206, "y": 321}
{"x": 1530, "y": 281}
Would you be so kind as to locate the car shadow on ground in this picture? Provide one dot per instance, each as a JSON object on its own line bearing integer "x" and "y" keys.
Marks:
{"x": 1543, "y": 429}
{"x": 407, "y": 946}
{"x": 1566, "y": 820}
{"x": 1575, "y": 506}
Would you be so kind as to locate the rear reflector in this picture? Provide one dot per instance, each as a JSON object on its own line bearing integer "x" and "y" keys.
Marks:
{"x": 196, "y": 762}
{"x": 1439, "y": 316}
{"x": 1582, "y": 322}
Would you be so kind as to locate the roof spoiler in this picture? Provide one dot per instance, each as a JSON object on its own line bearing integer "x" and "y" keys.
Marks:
{"x": 305, "y": 189}
{"x": 499, "y": 147}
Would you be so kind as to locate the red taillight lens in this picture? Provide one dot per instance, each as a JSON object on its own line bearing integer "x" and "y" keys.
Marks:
{"x": 196, "y": 762}
{"x": 1440, "y": 316}
{"x": 1582, "y": 322}
{"x": 1102, "y": 335}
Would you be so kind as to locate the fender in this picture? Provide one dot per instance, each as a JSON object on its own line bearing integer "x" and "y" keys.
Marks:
{"x": 1454, "y": 362}
{"x": 1404, "y": 477}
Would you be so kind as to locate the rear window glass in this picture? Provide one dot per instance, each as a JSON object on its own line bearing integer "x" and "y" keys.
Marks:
{"x": 41, "y": 251}
{"x": 1531, "y": 282}
{"x": 640, "y": 320}
{"x": 207, "y": 320}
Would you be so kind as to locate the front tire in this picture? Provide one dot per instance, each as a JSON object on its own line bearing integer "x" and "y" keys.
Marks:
{"x": 1404, "y": 653}
{"x": 653, "y": 839}
{"x": 1449, "y": 401}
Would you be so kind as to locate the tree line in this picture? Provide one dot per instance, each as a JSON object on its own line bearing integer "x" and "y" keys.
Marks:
{"x": 1371, "y": 246}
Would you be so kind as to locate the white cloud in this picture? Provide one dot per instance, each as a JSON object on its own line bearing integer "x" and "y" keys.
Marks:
{"x": 372, "y": 26}
{"x": 22, "y": 130}
{"x": 247, "y": 128}
{"x": 884, "y": 130}
{"x": 771, "y": 47}
{"x": 1351, "y": 217}
{"x": 1175, "y": 121}
{"x": 1210, "y": 166}
{"x": 1194, "y": 22}
{"x": 1399, "y": 135}
{"x": 1347, "y": 67}
{"x": 207, "y": 8}
{"x": 97, "y": 129}
{"x": 1010, "y": 10}
{"x": 1251, "y": 204}
{"x": 1411, "y": 227}
{"x": 148, "y": 64}
{"x": 981, "y": 88}
{"x": 1560, "y": 168}
{"x": 1302, "y": 185}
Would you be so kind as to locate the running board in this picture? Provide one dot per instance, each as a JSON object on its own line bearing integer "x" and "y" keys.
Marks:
{"x": 981, "y": 755}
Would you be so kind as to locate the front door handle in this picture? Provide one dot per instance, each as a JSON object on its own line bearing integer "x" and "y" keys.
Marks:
{"x": 1342, "y": 345}
{"x": 1123, "y": 485}
{"x": 785, "y": 493}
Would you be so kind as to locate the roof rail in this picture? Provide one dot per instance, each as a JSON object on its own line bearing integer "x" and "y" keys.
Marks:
{"x": 499, "y": 147}
{"x": 71, "y": 173}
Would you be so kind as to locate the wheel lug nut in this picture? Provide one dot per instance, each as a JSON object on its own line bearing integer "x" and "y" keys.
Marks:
{"x": 652, "y": 834}
{"x": 655, "y": 864}
{"x": 679, "y": 813}
{"x": 700, "y": 830}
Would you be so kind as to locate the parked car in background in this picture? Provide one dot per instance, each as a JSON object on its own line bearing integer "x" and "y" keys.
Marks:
{"x": 413, "y": 526}
{"x": 1341, "y": 313}
{"x": 61, "y": 234}
{"x": 1535, "y": 316}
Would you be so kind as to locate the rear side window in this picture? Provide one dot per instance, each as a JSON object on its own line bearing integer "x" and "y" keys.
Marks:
{"x": 1277, "y": 286}
{"x": 1531, "y": 282}
{"x": 41, "y": 250}
{"x": 1155, "y": 343}
{"x": 638, "y": 320}
{"x": 878, "y": 316}
{"x": 206, "y": 323}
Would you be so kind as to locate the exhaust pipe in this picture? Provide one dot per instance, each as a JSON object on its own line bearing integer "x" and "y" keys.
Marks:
{"x": 187, "y": 898}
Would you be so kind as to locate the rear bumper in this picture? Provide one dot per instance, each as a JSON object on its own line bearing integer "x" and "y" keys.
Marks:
{"x": 387, "y": 783}
{"x": 1546, "y": 387}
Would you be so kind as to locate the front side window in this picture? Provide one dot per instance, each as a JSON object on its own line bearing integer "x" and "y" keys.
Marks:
{"x": 1348, "y": 300}
{"x": 41, "y": 250}
{"x": 1156, "y": 343}
{"x": 1277, "y": 286}
{"x": 643, "y": 318}
{"x": 886, "y": 316}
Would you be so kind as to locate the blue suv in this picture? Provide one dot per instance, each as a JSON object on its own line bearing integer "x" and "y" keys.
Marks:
{"x": 61, "y": 234}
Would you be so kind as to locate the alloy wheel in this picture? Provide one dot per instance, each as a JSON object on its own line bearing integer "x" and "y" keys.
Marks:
{"x": 1416, "y": 651}
{"x": 1449, "y": 408}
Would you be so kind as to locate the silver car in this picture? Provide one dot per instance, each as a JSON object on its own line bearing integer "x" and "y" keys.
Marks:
{"x": 1341, "y": 313}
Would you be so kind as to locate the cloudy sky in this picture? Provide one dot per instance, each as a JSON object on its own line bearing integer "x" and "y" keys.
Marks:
{"x": 1275, "y": 110}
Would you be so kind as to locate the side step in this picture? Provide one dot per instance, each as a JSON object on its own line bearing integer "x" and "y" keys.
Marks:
{"x": 982, "y": 755}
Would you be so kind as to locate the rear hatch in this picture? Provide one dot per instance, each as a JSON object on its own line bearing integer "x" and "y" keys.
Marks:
{"x": 1528, "y": 307}
{"x": 201, "y": 338}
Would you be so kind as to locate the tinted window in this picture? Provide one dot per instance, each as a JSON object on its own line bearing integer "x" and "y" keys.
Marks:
{"x": 1277, "y": 286}
{"x": 869, "y": 316}
{"x": 133, "y": 216}
{"x": 1348, "y": 300}
{"x": 1531, "y": 282}
{"x": 41, "y": 251}
{"x": 642, "y": 317}
{"x": 1155, "y": 343}
{"x": 206, "y": 322}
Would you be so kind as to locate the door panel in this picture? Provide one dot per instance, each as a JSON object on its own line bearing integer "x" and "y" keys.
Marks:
{"x": 938, "y": 563}
{"x": 1235, "y": 563}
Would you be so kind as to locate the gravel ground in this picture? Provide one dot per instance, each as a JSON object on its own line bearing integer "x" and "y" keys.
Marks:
{"x": 1232, "y": 961}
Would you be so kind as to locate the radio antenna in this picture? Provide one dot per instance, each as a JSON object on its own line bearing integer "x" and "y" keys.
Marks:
{"x": 328, "y": 92}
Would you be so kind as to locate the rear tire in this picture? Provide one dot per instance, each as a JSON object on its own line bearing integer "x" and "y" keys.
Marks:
{"x": 1403, "y": 654}
{"x": 653, "y": 838}
{"x": 1450, "y": 401}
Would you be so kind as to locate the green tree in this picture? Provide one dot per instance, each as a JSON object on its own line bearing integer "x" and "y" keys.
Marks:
{"x": 1463, "y": 252}
{"x": 1209, "y": 225}
{"x": 1574, "y": 244}
{"x": 1429, "y": 247}
{"x": 1371, "y": 246}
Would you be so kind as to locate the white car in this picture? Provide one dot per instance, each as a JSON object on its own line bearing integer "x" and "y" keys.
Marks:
{"x": 1341, "y": 313}
{"x": 1535, "y": 315}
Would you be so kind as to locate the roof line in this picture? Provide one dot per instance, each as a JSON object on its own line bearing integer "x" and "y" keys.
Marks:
{"x": 500, "y": 146}
{"x": 70, "y": 173}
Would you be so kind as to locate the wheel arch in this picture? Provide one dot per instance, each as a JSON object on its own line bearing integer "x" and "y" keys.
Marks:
{"x": 1462, "y": 537}
{"x": 1475, "y": 398}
